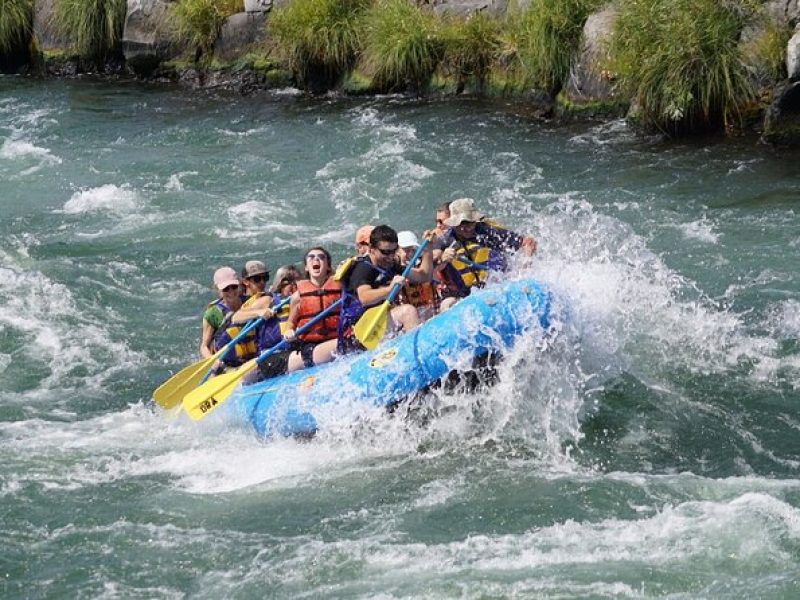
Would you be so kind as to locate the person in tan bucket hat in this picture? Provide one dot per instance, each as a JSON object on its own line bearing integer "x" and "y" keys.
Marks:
{"x": 472, "y": 247}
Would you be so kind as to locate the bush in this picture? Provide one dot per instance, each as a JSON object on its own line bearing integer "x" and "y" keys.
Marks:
{"x": 539, "y": 44}
{"x": 471, "y": 47}
{"x": 198, "y": 23}
{"x": 681, "y": 62}
{"x": 16, "y": 17}
{"x": 95, "y": 26}
{"x": 320, "y": 39}
{"x": 403, "y": 45}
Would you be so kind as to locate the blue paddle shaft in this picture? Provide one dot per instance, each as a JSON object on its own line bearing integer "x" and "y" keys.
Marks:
{"x": 283, "y": 343}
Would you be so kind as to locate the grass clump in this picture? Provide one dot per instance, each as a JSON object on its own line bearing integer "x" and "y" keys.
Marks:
{"x": 94, "y": 26}
{"x": 403, "y": 45}
{"x": 471, "y": 48}
{"x": 16, "y": 17}
{"x": 197, "y": 23}
{"x": 320, "y": 39}
{"x": 681, "y": 63}
{"x": 540, "y": 43}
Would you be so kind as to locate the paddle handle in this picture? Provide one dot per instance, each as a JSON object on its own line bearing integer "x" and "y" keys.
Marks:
{"x": 283, "y": 343}
{"x": 396, "y": 287}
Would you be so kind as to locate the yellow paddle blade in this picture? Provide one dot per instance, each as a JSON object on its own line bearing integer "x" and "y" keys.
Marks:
{"x": 371, "y": 327}
{"x": 199, "y": 402}
{"x": 170, "y": 393}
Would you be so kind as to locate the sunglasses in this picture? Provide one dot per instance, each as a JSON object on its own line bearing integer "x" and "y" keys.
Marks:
{"x": 230, "y": 288}
{"x": 259, "y": 278}
{"x": 387, "y": 252}
{"x": 285, "y": 282}
{"x": 321, "y": 257}
{"x": 440, "y": 221}
{"x": 467, "y": 223}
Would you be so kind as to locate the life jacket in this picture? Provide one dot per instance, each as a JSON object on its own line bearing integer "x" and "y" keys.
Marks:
{"x": 313, "y": 300}
{"x": 244, "y": 349}
{"x": 251, "y": 299}
{"x": 351, "y": 307}
{"x": 482, "y": 259}
{"x": 270, "y": 331}
{"x": 283, "y": 314}
{"x": 421, "y": 294}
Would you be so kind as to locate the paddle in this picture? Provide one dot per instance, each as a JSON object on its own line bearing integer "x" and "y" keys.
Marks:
{"x": 200, "y": 402}
{"x": 371, "y": 327}
{"x": 170, "y": 393}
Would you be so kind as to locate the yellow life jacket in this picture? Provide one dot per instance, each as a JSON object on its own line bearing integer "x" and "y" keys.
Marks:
{"x": 244, "y": 349}
{"x": 472, "y": 275}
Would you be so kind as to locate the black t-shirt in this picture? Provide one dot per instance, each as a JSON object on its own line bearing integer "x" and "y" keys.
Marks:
{"x": 365, "y": 273}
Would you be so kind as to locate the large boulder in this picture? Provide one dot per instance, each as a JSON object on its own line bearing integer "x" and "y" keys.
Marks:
{"x": 467, "y": 7}
{"x": 48, "y": 36}
{"x": 589, "y": 81}
{"x": 146, "y": 39}
{"x": 782, "y": 122}
{"x": 793, "y": 55}
{"x": 239, "y": 33}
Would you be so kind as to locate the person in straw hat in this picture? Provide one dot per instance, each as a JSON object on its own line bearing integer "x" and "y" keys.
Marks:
{"x": 472, "y": 247}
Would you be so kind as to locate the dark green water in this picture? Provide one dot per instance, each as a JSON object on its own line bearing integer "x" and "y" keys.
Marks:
{"x": 653, "y": 450}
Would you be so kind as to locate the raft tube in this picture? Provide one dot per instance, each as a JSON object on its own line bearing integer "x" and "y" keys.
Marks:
{"x": 486, "y": 321}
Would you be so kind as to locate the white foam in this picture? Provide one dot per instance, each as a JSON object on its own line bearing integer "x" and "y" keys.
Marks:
{"x": 175, "y": 183}
{"x": 702, "y": 230}
{"x": 105, "y": 198}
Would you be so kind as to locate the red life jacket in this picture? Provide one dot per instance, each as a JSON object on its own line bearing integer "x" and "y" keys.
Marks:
{"x": 313, "y": 300}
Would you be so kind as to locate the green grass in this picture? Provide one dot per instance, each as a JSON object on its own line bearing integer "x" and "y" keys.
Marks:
{"x": 471, "y": 47}
{"x": 197, "y": 24}
{"x": 319, "y": 39}
{"x": 16, "y": 17}
{"x": 94, "y": 26}
{"x": 680, "y": 61}
{"x": 539, "y": 44}
{"x": 403, "y": 46}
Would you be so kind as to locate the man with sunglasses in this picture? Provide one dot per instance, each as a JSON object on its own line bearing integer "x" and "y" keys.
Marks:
{"x": 371, "y": 279}
{"x": 254, "y": 279}
{"x": 473, "y": 246}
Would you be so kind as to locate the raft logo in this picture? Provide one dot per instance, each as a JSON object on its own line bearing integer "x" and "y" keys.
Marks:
{"x": 383, "y": 359}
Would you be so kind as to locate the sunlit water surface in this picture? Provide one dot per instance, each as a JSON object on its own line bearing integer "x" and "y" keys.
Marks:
{"x": 652, "y": 449}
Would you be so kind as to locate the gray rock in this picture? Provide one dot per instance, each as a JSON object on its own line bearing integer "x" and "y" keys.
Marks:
{"x": 467, "y": 7}
{"x": 146, "y": 38}
{"x": 588, "y": 80}
{"x": 239, "y": 32}
{"x": 47, "y": 34}
{"x": 782, "y": 120}
{"x": 793, "y": 55}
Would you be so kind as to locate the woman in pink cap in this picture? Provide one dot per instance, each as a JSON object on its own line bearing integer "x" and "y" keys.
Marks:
{"x": 217, "y": 327}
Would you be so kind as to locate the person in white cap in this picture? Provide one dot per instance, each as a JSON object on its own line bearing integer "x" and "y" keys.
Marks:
{"x": 217, "y": 328}
{"x": 423, "y": 295}
{"x": 472, "y": 247}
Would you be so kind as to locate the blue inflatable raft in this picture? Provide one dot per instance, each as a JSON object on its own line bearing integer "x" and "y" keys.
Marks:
{"x": 488, "y": 320}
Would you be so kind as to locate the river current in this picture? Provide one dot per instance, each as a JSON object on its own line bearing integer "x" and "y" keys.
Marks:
{"x": 651, "y": 449}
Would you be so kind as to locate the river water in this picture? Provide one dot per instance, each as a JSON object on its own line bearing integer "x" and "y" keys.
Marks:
{"x": 652, "y": 449}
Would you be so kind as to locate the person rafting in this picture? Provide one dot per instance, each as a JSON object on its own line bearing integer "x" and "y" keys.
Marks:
{"x": 370, "y": 280}
{"x": 472, "y": 247}
{"x": 254, "y": 280}
{"x": 218, "y": 330}
{"x": 314, "y": 294}
{"x": 423, "y": 296}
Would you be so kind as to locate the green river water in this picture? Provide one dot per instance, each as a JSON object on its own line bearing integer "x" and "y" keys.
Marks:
{"x": 652, "y": 450}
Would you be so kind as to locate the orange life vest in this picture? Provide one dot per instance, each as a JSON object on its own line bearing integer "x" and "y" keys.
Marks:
{"x": 421, "y": 294}
{"x": 313, "y": 300}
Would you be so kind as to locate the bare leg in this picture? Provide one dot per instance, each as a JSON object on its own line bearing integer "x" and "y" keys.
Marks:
{"x": 406, "y": 316}
{"x": 447, "y": 303}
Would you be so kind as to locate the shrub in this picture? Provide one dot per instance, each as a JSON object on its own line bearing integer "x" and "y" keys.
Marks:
{"x": 15, "y": 24}
{"x": 403, "y": 45}
{"x": 198, "y": 23}
{"x": 681, "y": 62}
{"x": 320, "y": 39}
{"x": 95, "y": 26}
{"x": 540, "y": 43}
{"x": 471, "y": 47}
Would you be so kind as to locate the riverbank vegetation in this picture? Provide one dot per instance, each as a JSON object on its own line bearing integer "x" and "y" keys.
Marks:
{"x": 682, "y": 65}
{"x": 94, "y": 26}
{"x": 16, "y": 20}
